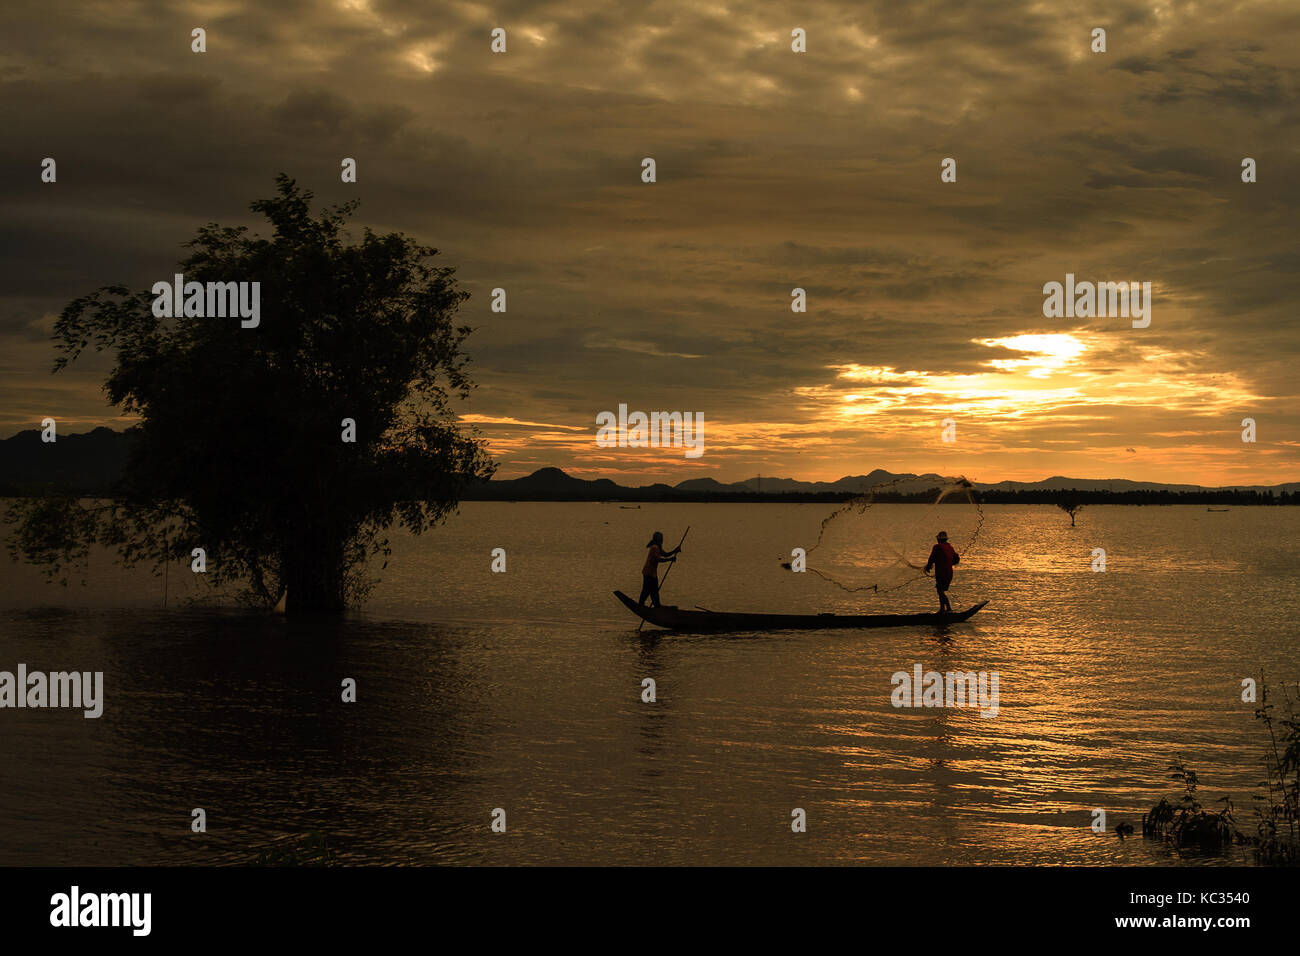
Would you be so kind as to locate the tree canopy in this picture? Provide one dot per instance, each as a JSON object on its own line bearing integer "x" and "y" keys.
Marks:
{"x": 240, "y": 444}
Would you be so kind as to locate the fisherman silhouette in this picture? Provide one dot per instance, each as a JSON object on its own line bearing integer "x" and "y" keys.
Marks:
{"x": 650, "y": 572}
{"x": 942, "y": 558}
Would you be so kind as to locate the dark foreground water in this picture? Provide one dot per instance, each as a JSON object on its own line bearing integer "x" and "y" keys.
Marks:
{"x": 522, "y": 691}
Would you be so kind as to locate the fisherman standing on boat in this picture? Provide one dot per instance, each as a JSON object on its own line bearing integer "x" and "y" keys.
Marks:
{"x": 650, "y": 572}
{"x": 942, "y": 559}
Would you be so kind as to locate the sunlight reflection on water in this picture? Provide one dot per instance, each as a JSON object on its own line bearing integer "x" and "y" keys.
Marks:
{"x": 522, "y": 690}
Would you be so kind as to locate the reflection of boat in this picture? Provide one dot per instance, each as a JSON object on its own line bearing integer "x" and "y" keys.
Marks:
{"x": 1216, "y": 509}
{"x": 676, "y": 619}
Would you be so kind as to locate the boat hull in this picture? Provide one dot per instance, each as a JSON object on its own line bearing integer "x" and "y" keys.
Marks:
{"x": 676, "y": 619}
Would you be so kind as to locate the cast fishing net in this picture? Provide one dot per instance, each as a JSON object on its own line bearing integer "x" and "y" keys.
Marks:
{"x": 879, "y": 542}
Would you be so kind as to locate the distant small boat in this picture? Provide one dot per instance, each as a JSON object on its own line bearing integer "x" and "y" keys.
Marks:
{"x": 675, "y": 619}
{"x": 1216, "y": 509}
{"x": 630, "y": 507}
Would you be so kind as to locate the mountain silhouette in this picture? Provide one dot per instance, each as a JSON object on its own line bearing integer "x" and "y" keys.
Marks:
{"x": 90, "y": 463}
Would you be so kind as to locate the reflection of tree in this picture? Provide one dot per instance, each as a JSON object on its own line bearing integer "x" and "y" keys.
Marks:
{"x": 242, "y": 715}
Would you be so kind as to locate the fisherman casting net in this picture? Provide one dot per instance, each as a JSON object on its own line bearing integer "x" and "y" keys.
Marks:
{"x": 879, "y": 542}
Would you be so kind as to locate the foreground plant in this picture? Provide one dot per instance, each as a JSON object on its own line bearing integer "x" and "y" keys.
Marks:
{"x": 1278, "y": 808}
{"x": 311, "y": 849}
{"x": 1185, "y": 823}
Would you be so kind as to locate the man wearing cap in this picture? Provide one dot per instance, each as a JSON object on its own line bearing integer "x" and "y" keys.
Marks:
{"x": 942, "y": 559}
{"x": 650, "y": 572}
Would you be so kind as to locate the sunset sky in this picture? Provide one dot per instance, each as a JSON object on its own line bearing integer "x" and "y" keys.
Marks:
{"x": 775, "y": 170}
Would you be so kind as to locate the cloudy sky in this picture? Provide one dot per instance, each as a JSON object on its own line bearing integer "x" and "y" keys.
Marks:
{"x": 775, "y": 169}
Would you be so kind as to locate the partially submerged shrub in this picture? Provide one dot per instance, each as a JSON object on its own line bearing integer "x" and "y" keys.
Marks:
{"x": 1186, "y": 823}
{"x": 1278, "y": 810}
{"x": 311, "y": 849}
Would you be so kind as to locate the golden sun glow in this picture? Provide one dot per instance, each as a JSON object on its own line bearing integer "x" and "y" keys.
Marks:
{"x": 1054, "y": 377}
{"x": 1049, "y": 353}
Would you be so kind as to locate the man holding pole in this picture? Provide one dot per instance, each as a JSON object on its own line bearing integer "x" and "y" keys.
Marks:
{"x": 650, "y": 572}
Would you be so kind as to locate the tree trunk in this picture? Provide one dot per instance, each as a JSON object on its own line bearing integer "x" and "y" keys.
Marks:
{"x": 313, "y": 577}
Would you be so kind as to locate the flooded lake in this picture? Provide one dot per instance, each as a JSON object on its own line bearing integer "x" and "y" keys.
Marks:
{"x": 523, "y": 691}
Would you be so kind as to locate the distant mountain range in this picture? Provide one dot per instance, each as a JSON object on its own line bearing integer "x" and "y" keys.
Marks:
{"x": 552, "y": 484}
{"x": 556, "y": 485}
{"x": 90, "y": 463}
{"x": 87, "y": 463}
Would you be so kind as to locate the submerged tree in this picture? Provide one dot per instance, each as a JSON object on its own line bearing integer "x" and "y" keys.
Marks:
{"x": 240, "y": 448}
{"x": 1070, "y": 506}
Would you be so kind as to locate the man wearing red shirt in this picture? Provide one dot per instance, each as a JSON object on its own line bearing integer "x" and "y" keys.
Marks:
{"x": 942, "y": 559}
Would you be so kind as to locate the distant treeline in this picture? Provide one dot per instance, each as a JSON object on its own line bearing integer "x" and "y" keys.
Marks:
{"x": 1036, "y": 496}
{"x": 92, "y": 465}
{"x": 1220, "y": 496}
{"x": 1027, "y": 497}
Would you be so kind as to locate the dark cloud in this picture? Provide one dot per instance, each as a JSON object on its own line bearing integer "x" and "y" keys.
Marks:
{"x": 1137, "y": 64}
{"x": 775, "y": 170}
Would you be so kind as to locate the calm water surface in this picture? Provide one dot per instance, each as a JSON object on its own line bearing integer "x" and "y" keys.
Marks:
{"x": 523, "y": 691}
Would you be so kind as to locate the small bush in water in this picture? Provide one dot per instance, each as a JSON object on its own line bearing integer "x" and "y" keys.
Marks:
{"x": 311, "y": 849}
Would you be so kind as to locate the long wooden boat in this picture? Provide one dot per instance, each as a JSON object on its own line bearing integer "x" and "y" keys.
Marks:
{"x": 676, "y": 619}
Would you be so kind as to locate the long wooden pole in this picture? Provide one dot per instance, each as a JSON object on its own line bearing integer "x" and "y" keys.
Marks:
{"x": 668, "y": 569}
